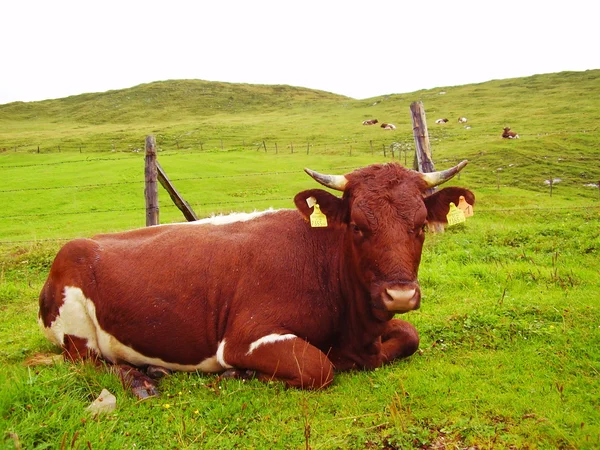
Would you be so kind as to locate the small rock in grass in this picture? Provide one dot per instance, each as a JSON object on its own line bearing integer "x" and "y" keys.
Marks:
{"x": 105, "y": 403}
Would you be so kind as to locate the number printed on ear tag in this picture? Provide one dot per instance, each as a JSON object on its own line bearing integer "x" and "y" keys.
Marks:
{"x": 466, "y": 208}
{"x": 455, "y": 215}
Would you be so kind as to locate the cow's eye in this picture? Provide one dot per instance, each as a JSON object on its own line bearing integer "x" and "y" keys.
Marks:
{"x": 355, "y": 228}
{"x": 420, "y": 229}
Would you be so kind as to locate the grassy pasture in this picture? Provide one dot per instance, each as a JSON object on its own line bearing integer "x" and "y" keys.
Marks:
{"x": 510, "y": 327}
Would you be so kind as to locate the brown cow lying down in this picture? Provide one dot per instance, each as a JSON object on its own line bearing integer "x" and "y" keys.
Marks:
{"x": 507, "y": 134}
{"x": 289, "y": 295}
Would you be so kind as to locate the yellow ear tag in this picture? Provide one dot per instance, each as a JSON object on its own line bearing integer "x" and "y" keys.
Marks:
{"x": 455, "y": 215}
{"x": 466, "y": 208}
{"x": 317, "y": 218}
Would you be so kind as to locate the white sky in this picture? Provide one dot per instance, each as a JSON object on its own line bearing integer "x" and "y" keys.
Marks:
{"x": 56, "y": 48}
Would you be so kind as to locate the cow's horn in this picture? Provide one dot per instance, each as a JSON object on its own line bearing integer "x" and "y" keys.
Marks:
{"x": 436, "y": 178}
{"x": 337, "y": 182}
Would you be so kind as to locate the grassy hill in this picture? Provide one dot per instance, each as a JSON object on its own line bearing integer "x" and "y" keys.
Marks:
{"x": 188, "y": 112}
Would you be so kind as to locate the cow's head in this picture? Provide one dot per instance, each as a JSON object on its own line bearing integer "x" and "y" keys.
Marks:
{"x": 383, "y": 213}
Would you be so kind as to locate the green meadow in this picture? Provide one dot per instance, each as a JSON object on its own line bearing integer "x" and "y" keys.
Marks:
{"x": 509, "y": 322}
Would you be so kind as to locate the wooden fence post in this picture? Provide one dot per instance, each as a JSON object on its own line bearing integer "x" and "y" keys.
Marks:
{"x": 151, "y": 187}
{"x": 424, "y": 160}
{"x": 183, "y": 206}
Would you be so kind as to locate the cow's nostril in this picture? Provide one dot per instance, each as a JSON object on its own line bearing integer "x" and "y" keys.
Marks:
{"x": 400, "y": 295}
{"x": 402, "y": 300}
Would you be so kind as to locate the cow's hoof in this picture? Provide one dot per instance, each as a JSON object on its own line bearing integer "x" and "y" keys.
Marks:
{"x": 157, "y": 372}
{"x": 144, "y": 392}
{"x": 139, "y": 384}
{"x": 242, "y": 374}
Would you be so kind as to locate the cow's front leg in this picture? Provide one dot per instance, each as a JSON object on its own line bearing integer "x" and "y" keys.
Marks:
{"x": 279, "y": 357}
{"x": 400, "y": 339}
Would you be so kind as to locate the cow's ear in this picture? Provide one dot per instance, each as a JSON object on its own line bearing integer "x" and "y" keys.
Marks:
{"x": 329, "y": 204}
{"x": 438, "y": 203}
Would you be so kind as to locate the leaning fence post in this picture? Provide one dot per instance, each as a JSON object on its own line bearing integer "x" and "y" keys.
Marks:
{"x": 424, "y": 160}
{"x": 151, "y": 187}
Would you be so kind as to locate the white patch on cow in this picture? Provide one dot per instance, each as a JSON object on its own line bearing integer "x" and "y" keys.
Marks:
{"x": 269, "y": 339}
{"x": 73, "y": 318}
{"x": 48, "y": 332}
{"x": 220, "y": 355}
{"x": 233, "y": 217}
{"x": 77, "y": 317}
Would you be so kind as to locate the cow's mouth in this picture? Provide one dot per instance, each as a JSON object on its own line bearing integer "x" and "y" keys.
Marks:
{"x": 401, "y": 299}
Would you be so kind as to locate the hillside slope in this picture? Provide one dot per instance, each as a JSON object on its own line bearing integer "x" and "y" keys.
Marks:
{"x": 551, "y": 112}
{"x": 162, "y": 100}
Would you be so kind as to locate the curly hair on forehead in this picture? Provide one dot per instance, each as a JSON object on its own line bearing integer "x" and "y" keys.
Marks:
{"x": 385, "y": 176}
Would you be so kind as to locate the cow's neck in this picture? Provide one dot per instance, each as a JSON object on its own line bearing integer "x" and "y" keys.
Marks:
{"x": 363, "y": 324}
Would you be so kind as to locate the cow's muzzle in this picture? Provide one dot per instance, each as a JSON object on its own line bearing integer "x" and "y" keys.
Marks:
{"x": 402, "y": 297}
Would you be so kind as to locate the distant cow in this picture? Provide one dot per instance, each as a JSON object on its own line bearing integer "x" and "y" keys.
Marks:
{"x": 507, "y": 134}
{"x": 441, "y": 120}
{"x": 388, "y": 126}
{"x": 462, "y": 120}
{"x": 370, "y": 122}
{"x": 286, "y": 295}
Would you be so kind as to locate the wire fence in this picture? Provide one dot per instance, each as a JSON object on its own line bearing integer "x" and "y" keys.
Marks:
{"x": 584, "y": 173}
{"x": 191, "y": 142}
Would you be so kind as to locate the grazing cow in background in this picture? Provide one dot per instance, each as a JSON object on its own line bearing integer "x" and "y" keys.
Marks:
{"x": 507, "y": 134}
{"x": 288, "y": 295}
{"x": 441, "y": 120}
{"x": 462, "y": 120}
{"x": 388, "y": 126}
{"x": 370, "y": 122}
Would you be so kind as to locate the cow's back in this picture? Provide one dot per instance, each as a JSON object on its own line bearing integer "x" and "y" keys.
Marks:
{"x": 170, "y": 292}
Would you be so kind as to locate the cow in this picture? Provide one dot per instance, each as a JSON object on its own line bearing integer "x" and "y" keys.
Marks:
{"x": 507, "y": 134}
{"x": 370, "y": 122}
{"x": 462, "y": 120}
{"x": 288, "y": 295}
{"x": 388, "y": 126}
{"x": 440, "y": 121}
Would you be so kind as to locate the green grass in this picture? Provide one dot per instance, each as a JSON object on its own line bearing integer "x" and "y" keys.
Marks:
{"x": 509, "y": 323}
